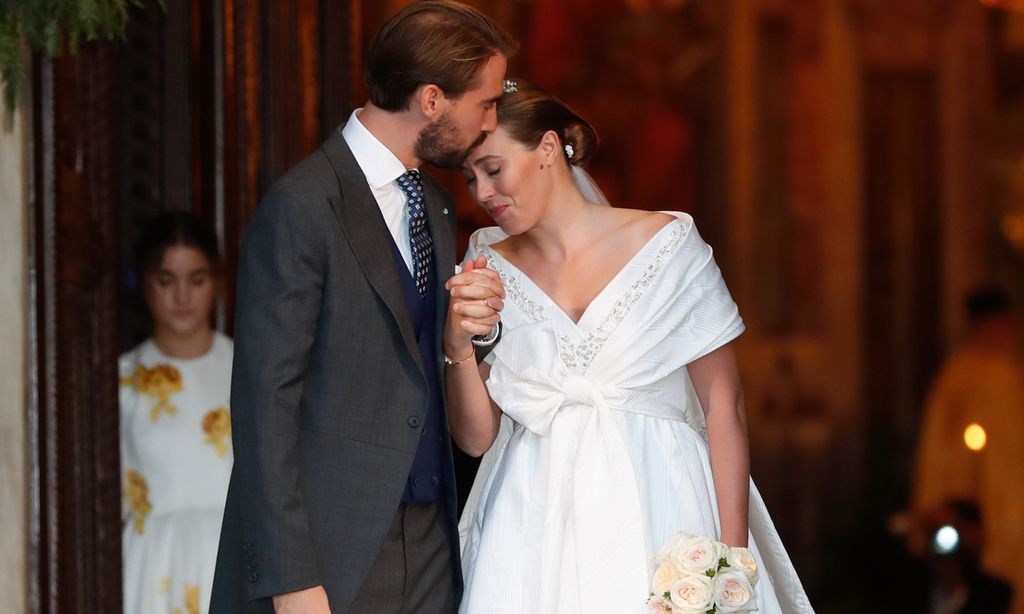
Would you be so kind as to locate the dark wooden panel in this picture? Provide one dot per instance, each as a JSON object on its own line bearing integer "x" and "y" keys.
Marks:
{"x": 206, "y": 112}
{"x": 152, "y": 149}
{"x": 291, "y": 84}
{"x": 339, "y": 37}
{"x": 75, "y": 550}
{"x": 902, "y": 288}
{"x": 212, "y": 101}
{"x": 288, "y": 73}
{"x": 772, "y": 186}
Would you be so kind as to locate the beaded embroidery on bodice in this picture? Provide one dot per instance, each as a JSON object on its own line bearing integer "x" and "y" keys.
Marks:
{"x": 578, "y": 356}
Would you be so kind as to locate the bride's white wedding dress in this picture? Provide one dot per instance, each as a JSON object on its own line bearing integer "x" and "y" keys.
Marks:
{"x": 603, "y": 453}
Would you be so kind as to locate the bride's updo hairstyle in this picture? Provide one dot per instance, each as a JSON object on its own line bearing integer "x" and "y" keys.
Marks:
{"x": 527, "y": 111}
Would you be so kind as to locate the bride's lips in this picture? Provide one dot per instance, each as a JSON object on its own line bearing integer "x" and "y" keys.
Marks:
{"x": 496, "y": 212}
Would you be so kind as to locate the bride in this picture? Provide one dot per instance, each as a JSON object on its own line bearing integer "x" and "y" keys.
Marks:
{"x": 610, "y": 410}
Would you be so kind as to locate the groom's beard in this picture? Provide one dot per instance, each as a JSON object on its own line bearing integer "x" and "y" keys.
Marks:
{"x": 436, "y": 143}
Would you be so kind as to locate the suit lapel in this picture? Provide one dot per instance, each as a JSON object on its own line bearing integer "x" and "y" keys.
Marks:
{"x": 439, "y": 219}
{"x": 368, "y": 235}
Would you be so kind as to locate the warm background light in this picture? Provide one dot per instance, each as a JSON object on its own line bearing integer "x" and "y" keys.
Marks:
{"x": 1012, "y": 5}
{"x": 975, "y": 437}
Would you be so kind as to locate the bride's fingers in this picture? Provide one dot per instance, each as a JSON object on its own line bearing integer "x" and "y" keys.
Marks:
{"x": 467, "y": 277}
{"x": 494, "y": 303}
{"x": 496, "y": 286}
{"x": 478, "y": 327}
{"x": 478, "y": 291}
{"x": 487, "y": 271}
{"x": 474, "y": 310}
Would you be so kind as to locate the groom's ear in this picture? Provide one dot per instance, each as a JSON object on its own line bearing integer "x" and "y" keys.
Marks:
{"x": 431, "y": 101}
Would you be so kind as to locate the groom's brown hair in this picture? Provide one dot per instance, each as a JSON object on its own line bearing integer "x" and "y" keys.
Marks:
{"x": 440, "y": 42}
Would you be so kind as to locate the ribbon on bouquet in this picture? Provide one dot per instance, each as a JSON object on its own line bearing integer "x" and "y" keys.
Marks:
{"x": 594, "y": 543}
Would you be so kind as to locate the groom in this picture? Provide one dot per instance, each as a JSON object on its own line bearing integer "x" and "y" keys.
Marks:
{"x": 342, "y": 497}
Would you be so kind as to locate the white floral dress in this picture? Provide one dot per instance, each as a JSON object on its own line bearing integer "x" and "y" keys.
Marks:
{"x": 176, "y": 460}
{"x": 603, "y": 454}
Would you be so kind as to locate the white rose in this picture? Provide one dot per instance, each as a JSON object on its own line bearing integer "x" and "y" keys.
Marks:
{"x": 692, "y": 594}
{"x": 670, "y": 545}
{"x": 733, "y": 593}
{"x": 740, "y": 559}
{"x": 659, "y": 605}
{"x": 665, "y": 576}
{"x": 699, "y": 554}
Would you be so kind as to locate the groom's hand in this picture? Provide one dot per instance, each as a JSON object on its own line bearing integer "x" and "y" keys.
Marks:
{"x": 308, "y": 601}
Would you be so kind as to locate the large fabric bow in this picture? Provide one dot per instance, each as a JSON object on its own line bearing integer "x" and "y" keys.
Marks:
{"x": 593, "y": 534}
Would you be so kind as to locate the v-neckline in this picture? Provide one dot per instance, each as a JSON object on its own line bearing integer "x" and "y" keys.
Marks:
{"x": 579, "y": 324}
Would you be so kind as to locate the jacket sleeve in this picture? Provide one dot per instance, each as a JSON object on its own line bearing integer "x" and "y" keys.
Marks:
{"x": 280, "y": 283}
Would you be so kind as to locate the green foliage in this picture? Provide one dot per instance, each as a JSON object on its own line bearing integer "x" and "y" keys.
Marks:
{"x": 53, "y": 26}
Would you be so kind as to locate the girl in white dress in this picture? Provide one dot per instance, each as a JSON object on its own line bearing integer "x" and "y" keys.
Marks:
{"x": 610, "y": 410}
{"x": 175, "y": 426}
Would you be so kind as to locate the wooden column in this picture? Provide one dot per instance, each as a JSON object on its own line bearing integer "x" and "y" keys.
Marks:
{"x": 75, "y": 509}
{"x": 900, "y": 49}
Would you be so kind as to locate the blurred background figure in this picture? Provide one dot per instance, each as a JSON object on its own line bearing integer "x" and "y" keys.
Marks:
{"x": 175, "y": 426}
{"x": 972, "y": 436}
{"x": 949, "y": 542}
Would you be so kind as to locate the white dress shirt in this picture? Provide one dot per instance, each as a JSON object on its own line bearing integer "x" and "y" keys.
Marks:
{"x": 381, "y": 168}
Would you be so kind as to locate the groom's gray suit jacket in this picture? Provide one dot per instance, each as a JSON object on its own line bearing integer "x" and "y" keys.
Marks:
{"x": 328, "y": 391}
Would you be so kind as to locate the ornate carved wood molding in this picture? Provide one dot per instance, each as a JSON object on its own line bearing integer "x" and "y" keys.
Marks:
{"x": 75, "y": 506}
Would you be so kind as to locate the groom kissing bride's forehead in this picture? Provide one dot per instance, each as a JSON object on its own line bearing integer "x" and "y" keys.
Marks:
{"x": 342, "y": 497}
{"x": 441, "y": 62}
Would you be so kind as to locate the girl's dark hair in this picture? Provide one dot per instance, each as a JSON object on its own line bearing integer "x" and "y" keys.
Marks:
{"x": 440, "y": 42}
{"x": 169, "y": 229}
{"x": 527, "y": 111}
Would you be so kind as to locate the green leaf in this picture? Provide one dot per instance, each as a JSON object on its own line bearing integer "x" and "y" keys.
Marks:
{"x": 50, "y": 40}
{"x": 88, "y": 18}
{"x": 54, "y": 27}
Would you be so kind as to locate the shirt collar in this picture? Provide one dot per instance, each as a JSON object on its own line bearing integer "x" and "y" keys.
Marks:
{"x": 377, "y": 162}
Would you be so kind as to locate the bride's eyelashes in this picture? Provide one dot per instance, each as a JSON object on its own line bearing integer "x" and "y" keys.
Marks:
{"x": 471, "y": 177}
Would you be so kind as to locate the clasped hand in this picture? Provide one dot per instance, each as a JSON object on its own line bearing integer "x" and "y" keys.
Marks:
{"x": 477, "y": 298}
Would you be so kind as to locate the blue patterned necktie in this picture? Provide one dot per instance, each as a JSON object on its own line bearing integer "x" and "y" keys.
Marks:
{"x": 422, "y": 247}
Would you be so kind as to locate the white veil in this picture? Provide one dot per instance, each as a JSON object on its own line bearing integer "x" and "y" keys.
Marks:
{"x": 587, "y": 186}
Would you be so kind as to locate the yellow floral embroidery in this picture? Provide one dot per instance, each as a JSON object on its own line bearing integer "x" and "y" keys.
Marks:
{"x": 159, "y": 382}
{"x": 191, "y": 601}
{"x": 137, "y": 493}
{"x": 165, "y": 585}
{"x": 217, "y": 426}
{"x": 192, "y": 598}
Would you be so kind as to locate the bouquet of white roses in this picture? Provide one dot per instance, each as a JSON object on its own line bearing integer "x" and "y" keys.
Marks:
{"x": 698, "y": 575}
